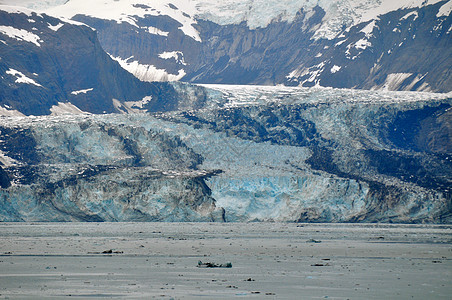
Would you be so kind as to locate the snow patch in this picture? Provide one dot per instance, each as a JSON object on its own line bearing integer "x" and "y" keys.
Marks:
{"x": 56, "y": 27}
{"x": 146, "y": 72}
{"x": 348, "y": 54}
{"x": 132, "y": 107}
{"x": 66, "y": 109}
{"x": 335, "y": 69}
{"x": 413, "y": 13}
{"x": 6, "y": 160}
{"x": 139, "y": 104}
{"x": 76, "y": 23}
{"x": 120, "y": 107}
{"x": 128, "y": 11}
{"x": 11, "y": 9}
{"x": 21, "y": 78}
{"x": 394, "y": 81}
{"x": 81, "y": 91}
{"x": 156, "y": 31}
{"x": 358, "y": 11}
{"x": 418, "y": 78}
{"x": 6, "y": 111}
{"x": 445, "y": 10}
{"x": 34, "y": 5}
{"x": 313, "y": 73}
{"x": 177, "y": 55}
{"x": 362, "y": 44}
{"x": 340, "y": 43}
{"x": 21, "y": 35}
{"x": 369, "y": 28}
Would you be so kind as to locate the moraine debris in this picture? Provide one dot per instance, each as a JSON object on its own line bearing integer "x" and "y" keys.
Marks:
{"x": 313, "y": 241}
{"x": 213, "y": 265}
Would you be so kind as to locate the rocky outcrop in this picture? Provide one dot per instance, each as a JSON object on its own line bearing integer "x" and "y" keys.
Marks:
{"x": 4, "y": 179}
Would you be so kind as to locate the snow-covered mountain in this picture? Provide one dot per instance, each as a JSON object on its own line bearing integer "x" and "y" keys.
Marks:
{"x": 247, "y": 153}
{"x": 373, "y": 44}
{"x": 51, "y": 65}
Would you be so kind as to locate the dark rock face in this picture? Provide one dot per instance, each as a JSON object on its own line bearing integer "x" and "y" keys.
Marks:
{"x": 427, "y": 130}
{"x": 398, "y": 45}
{"x": 407, "y": 49}
{"x": 4, "y": 179}
{"x": 19, "y": 145}
{"x": 235, "y": 54}
{"x": 142, "y": 45}
{"x": 63, "y": 63}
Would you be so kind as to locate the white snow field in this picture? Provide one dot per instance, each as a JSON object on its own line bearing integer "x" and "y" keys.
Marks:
{"x": 256, "y": 13}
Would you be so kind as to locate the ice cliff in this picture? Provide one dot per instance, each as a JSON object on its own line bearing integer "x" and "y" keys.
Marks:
{"x": 238, "y": 153}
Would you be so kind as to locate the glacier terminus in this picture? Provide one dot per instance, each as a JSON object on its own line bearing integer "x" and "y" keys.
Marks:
{"x": 236, "y": 153}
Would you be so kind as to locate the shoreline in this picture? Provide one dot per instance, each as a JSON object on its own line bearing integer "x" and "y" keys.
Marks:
{"x": 269, "y": 260}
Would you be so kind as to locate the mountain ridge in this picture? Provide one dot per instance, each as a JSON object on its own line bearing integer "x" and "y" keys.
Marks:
{"x": 50, "y": 65}
{"x": 350, "y": 44}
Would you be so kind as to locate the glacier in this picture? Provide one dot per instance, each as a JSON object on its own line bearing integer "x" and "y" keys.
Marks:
{"x": 236, "y": 153}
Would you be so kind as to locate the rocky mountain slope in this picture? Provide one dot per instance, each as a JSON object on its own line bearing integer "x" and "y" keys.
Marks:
{"x": 246, "y": 154}
{"x": 393, "y": 45}
{"x": 49, "y": 65}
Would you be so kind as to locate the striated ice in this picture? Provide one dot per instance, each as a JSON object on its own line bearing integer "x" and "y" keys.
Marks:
{"x": 163, "y": 167}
